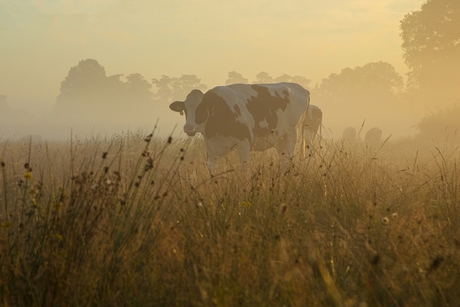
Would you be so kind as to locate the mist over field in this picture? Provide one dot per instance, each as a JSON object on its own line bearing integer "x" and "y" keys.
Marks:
{"x": 98, "y": 69}
{"x": 96, "y": 210}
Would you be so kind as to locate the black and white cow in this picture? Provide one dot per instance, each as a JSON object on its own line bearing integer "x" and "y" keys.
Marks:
{"x": 312, "y": 123}
{"x": 349, "y": 135}
{"x": 373, "y": 137}
{"x": 245, "y": 117}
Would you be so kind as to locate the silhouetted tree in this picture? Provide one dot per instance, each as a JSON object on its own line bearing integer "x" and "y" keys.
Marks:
{"x": 86, "y": 83}
{"x": 170, "y": 89}
{"x": 441, "y": 125}
{"x": 137, "y": 88}
{"x": 263, "y": 77}
{"x": 431, "y": 46}
{"x": 369, "y": 92}
{"x": 90, "y": 98}
{"x": 283, "y": 78}
{"x": 234, "y": 77}
{"x": 296, "y": 79}
{"x": 372, "y": 84}
{"x": 14, "y": 122}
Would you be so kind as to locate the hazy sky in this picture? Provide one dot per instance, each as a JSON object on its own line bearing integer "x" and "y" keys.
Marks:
{"x": 40, "y": 40}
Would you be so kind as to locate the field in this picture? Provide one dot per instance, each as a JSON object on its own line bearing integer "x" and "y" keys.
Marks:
{"x": 137, "y": 221}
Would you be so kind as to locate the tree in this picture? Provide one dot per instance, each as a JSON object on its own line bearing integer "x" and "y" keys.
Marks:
{"x": 296, "y": 79}
{"x": 431, "y": 46}
{"x": 371, "y": 82}
{"x": 137, "y": 88}
{"x": 170, "y": 89}
{"x": 234, "y": 77}
{"x": 441, "y": 125}
{"x": 263, "y": 77}
{"x": 87, "y": 95}
{"x": 164, "y": 88}
{"x": 368, "y": 92}
{"x": 85, "y": 83}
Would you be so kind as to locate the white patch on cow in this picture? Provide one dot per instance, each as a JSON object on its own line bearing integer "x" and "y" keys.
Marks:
{"x": 220, "y": 146}
{"x": 232, "y": 97}
{"x": 191, "y": 103}
{"x": 263, "y": 124}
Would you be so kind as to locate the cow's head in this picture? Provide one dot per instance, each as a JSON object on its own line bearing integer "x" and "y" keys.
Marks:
{"x": 189, "y": 106}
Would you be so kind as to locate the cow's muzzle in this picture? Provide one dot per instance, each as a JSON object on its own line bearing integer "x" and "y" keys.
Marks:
{"x": 190, "y": 130}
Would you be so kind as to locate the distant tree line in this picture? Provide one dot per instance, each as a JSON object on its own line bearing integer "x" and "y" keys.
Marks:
{"x": 431, "y": 50}
{"x": 88, "y": 84}
{"x": 264, "y": 77}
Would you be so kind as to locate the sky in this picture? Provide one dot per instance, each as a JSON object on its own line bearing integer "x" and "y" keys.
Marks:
{"x": 40, "y": 40}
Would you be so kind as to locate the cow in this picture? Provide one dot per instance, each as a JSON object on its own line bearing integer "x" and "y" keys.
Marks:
{"x": 349, "y": 134}
{"x": 313, "y": 121}
{"x": 245, "y": 117}
{"x": 373, "y": 137}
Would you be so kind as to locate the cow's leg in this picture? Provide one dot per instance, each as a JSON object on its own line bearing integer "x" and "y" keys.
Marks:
{"x": 211, "y": 162}
{"x": 285, "y": 148}
{"x": 243, "y": 151}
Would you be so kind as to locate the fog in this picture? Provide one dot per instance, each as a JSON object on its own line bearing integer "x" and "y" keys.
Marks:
{"x": 42, "y": 42}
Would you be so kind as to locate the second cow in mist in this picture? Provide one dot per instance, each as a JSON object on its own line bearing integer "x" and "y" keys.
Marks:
{"x": 245, "y": 117}
{"x": 313, "y": 122}
{"x": 373, "y": 137}
{"x": 349, "y": 135}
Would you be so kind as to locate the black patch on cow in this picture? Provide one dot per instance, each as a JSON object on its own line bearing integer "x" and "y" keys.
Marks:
{"x": 201, "y": 112}
{"x": 264, "y": 106}
{"x": 219, "y": 118}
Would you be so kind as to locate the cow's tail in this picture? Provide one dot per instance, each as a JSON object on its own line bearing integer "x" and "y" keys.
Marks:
{"x": 321, "y": 132}
{"x": 303, "y": 142}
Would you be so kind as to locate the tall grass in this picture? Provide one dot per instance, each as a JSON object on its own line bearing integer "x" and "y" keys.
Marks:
{"x": 137, "y": 221}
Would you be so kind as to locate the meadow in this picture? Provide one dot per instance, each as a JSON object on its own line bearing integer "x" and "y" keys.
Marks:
{"x": 136, "y": 220}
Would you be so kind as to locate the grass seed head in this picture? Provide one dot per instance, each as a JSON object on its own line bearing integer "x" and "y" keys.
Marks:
{"x": 283, "y": 208}
{"x": 436, "y": 263}
{"x": 375, "y": 259}
{"x": 148, "y": 138}
{"x": 57, "y": 206}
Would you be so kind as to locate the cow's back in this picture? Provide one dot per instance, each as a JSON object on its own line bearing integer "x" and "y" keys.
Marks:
{"x": 272, "y": 109}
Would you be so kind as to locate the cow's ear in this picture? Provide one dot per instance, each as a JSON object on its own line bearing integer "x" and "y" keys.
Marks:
{"x": 178, "y": 106}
